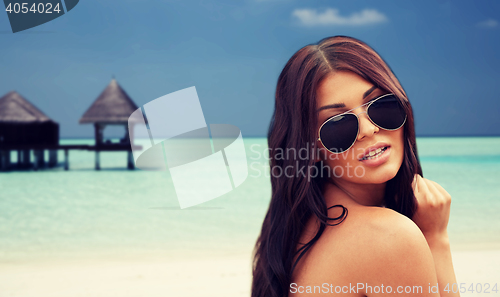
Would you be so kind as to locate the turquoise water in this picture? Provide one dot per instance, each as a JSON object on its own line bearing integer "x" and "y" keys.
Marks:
{"x": 55, "y": 213}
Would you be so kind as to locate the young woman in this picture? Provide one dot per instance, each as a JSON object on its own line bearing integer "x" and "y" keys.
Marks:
{"x": 355, "y": 217}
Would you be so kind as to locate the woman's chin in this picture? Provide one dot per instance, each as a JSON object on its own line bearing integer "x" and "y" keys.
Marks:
{"x": 374, "y": 176}
{"x": 381, "y": 176}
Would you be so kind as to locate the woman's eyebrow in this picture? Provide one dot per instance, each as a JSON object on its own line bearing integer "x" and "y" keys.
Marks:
{"x": 342, "y": 104}
{"x": 369, "y": 91}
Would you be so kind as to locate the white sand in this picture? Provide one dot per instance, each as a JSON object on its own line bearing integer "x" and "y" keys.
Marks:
{"x": 195, "y": 276}
{"x": 473, "y": 267}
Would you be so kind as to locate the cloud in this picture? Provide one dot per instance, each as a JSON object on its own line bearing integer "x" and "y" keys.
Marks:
{"x": 331, "y": 17}
{"x": 489, "y": 23}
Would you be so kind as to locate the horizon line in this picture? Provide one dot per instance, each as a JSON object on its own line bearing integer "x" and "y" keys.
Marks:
{"x": 265, "y": 136}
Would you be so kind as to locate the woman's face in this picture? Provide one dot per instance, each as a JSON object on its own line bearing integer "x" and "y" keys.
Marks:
{"x": 347, "y": 90}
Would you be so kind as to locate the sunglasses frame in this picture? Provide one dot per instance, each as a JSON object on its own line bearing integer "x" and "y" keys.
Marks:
{"x": 369, "y": 103}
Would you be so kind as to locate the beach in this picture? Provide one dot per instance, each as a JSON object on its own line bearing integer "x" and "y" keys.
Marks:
{"x": 121, "y": 233}
{"x": 192, "y": 276}
{"x": 205, "y": 276}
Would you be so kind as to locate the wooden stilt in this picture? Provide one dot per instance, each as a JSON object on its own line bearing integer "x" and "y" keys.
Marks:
{"x": 25, "y": 158}
{"x": 4, "y": 160}
{"x": 35, "y": 160}
{"x": 7, "y": 159}
{"x": 130, "y": 160}
{"x": 40, "y": 158}
{"x": 19, "y": 158}
{"x": 97, "y": 161}
{"x": 52, "y": 158}
{"x": 66, "y": 160}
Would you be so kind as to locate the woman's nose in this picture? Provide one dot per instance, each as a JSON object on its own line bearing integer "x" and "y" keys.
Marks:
{"x": 366, "y": 127}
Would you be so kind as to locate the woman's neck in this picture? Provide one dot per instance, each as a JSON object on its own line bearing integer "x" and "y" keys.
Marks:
{"x": 363, "y": 194}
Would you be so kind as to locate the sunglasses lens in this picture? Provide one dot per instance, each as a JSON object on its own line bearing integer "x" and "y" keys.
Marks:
{"x": 387, "y": 113}
{"x": 339, "y": 133}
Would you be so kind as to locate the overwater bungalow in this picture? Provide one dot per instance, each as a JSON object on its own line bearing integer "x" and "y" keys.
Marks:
{"x": 25, "y": 128}
{"x": 112, "y": 107}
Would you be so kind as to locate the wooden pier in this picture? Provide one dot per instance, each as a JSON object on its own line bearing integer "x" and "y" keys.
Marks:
{"x": 38, "y": 151}
{"x": 26, "y": 129}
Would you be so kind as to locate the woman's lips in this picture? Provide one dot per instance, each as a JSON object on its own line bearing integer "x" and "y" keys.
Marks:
{"x": 377, "y": 159}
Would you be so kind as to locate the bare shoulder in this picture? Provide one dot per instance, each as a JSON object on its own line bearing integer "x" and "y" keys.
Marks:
{"x": 384, "y": 224}
{"x": 378, "y": 225}
{"x": 379, "y": 246}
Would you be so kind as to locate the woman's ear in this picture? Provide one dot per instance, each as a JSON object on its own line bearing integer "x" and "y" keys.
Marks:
{"x": 317, "y": 153}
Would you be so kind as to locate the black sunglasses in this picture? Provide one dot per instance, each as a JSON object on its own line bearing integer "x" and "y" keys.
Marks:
{"x": 339, "y": 133}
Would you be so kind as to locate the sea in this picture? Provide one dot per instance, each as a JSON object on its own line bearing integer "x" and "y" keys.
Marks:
{"x": 53, "y": 213}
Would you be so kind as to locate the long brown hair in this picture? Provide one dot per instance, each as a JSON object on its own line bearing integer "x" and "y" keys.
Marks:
{"x": 293, "y": 125}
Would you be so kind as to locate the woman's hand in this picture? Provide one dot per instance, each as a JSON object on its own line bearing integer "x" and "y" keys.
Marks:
{"x": 433, "y": 212}
{"x": 433, "y": 209}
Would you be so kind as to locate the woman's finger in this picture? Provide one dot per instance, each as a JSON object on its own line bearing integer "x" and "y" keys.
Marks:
{"x": 434, "y": 192}
{"x": 422, "y": 187}
{"x": 441, "y": 190}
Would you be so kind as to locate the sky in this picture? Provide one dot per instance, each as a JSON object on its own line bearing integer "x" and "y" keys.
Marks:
{"x": 444, "y": 53}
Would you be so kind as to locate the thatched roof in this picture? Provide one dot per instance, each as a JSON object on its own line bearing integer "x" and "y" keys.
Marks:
{"x": 112, "y": 106}
{"x": 16, "y": 109}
